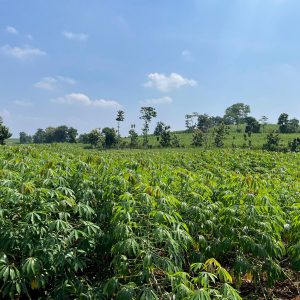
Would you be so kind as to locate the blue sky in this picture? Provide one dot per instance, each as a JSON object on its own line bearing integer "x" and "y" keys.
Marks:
{"x": 76, "y": 62}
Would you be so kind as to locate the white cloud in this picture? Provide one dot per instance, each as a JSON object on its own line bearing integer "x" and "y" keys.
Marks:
{"x": 78, "y": 98}
{"x": 157, "y": 101}
{"x": 75, "y": 36}
{"x": 167, "y": 83}
{"x": 22, "y": 53}
{"x": 54, "y": 83}
{"x": 67, "y": 80}
{"x": 11, "y": 30}
{"x": 22, "y": 103}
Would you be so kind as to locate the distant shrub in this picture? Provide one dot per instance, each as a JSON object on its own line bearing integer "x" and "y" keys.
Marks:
{"x": 272, "y": 143}
{"x": 294, "y": 145}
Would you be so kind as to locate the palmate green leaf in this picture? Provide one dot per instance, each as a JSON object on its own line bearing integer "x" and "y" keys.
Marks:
{"x": 76, "y": 234}
{"x": 196, "y": 267}
{"x": 91, "y": 229}
{"x": 84, "y": 211}
{"x": 273, "y": 270}
{"x": 64, "y": 216}
{"x": 162, "y": 217}
{"x": 182, "y": 291}
{"x": 67, "y": 202}
{"x": 31, "y": 267}
{"x": 211, "y": 264}
{"x": 229, "y": 293}
{"x": 129, "y": 246}
{"x": 66, "y": 191}
{"x": 4, "y": 272}
{"x": 147, "y": 261}
{"x": 110, "y": 287}
{"x": 201, "y": 294}
{"x": 122, "y": 231}
{"x": 9, "y": 273}
{"x": 60, "y": 225}
{"x": 33, "y": 217}
{"x": 165, "y": 263}
{"x": 206, "y": 279}
{"x": 127, "y": 292}
{"x": 78, "y": 264}
{"x": 148, "y": 294}
{"x": 224, "y": 275}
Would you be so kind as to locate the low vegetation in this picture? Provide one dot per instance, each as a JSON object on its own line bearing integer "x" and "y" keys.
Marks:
{"x": 216, "y": 224}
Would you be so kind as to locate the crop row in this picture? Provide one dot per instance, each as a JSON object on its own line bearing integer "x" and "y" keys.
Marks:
{"x": 145, "y": 225}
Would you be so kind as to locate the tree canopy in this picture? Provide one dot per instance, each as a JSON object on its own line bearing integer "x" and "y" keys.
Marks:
{"x": 236, "y": 113}
{"x": 4, "y": 132}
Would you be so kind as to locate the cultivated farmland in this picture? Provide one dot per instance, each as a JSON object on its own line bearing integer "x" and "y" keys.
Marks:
{"x": 181, "y": 224}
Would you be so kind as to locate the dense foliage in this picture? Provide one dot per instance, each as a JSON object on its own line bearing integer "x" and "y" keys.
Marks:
{"x": 145, "y": 225}
{"x": 4, "y": 132}
{"x": 60, "y": 134}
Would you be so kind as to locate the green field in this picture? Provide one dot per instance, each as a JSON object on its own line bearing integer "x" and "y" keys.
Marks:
{"x": 171, "y": 224}
{"x": 234, "y": 137}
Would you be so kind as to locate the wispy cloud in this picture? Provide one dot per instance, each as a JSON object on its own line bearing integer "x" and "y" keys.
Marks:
{"x": 11, "y": 30}
{"x": 82, "y": 99}
{"x": 157, "y": 101}
{"x": 187, "y": 55}
{"x": 22, "y": 53}
{"x": 75, "y": 36}
{"x": 54, "y": 83}
{"x": 5, "y": 114}
{"x": 29, "y": 37}
{"x": 167, "y": 83}
{"x": 14, "y": 31}
{"x": 22, "y": 103}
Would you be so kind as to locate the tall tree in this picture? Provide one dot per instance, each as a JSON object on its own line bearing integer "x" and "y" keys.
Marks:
{"x": 216, "y": 120}
{"x": 236, "y": 113}
{"x": 110, "y": 137}
{"x": 4, "y": 132}
{"x": 252, "y": 125}
{"x": 190, "y": 123}
{"x": 204, "y": 122}
{"x": 220, "y": 133}
{"x": 61, "y": 134}
{"x": 39, "y": 137}
{"x": 133, "y": 138}
{"x": 147, "y": 113}
{"x": 263, "y": 121}
{"x": 198, "y": 138}
{"x": 286, "y": 125}
{"x": 120, "y": 118}
{"x": 50, "y": 135}
{"x": 165, "y": 136}
{"x": 293, "y": 125}
{"x": 25, "y": 138}
{"x": 283, "y": 120}
{"x": 72, "y": 134}
{"x": 95, "y": 137}
{"x": 159, "y": 128}
{"x": 84, "y": 138}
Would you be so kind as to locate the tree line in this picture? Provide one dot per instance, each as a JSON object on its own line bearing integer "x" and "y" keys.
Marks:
{"x": 199, "y": 124}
